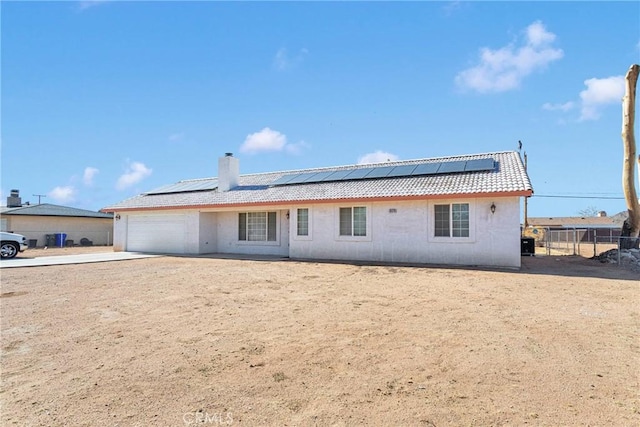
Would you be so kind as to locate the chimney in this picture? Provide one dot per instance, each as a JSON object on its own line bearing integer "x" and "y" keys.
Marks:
{"x": 228, "y": 172}
{"x": 14, "y": 200}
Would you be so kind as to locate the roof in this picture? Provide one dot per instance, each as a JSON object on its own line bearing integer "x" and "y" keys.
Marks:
{"x": 47, "y": 209}
{"x": 579, "y": 222}
{"x": 508, "y": 178}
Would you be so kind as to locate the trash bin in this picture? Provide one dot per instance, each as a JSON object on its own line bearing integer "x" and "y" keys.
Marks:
{"x": 33, "y": 243}
{"x": 60, "y": 239}
{"x": 528, "y": 246}
{"x": 49, "y": 239}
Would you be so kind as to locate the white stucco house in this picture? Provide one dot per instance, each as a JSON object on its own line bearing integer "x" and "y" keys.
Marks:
{"x": 462, "y": 210}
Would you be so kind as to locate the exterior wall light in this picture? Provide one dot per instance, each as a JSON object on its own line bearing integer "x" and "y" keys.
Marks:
{"x": 493, "y": 208}
{"x": 117, "y": 217}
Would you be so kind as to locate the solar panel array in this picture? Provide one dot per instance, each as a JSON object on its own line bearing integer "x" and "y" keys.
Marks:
{"x": 373, "y": 172}
{"x": 187, "y": 186}
{"x": 377, "y": 172}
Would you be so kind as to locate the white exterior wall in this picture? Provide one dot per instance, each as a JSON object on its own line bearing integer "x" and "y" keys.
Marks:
{"x": 407, "y": 235}
{"x": 397, "y": 231}
{"x": 208, "y": 242}
{"x": 227, "y": 233}
{"x": 205, "y": 232}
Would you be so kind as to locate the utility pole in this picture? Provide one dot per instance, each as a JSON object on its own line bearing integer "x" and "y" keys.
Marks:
{"x": 526, "y": 220}
{"x": 39, "y": 196}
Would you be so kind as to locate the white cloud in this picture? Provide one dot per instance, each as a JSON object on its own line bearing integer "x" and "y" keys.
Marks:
{"x": 599, "y": 93}
{"x": 176, "y": 137}
{"x": 136, "y": 172}
{"x": 567, "y": 106}
{"x": 450, "y": 7}
{"x": 505, "y": 68}
{"x": 282, "y": 61}
{"x": 296, "y": 148}
{"x": 86, "y": 4}
{"x": 89, "y": 174}
{"x": 62, "y": 194}
{"x": 377, "y": 157}
{"x": 265, "y": 140}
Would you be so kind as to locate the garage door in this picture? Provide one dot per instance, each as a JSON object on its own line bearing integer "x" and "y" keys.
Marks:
{"x": 156, "y": 233}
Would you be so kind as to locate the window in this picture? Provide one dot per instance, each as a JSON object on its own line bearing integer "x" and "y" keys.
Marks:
{"x": 452, "y": 220}
{"x": 460, "y": 220}
{"x": 302, "y": 220}
{"x": 257, "y": 226}
{"x": 353, "y": 221}
{"x": 442, "y": 220}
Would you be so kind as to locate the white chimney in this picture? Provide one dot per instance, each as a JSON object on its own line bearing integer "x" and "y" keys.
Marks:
{"x": 228, "y": 172}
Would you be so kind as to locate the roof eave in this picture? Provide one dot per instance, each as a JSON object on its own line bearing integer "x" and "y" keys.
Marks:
{"x": 520, "y": 193}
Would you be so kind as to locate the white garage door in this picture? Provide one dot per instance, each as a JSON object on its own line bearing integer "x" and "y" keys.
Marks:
{"x": 156, "y": 233}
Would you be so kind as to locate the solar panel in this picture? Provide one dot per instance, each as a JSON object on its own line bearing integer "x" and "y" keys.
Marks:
{"x": 452, "y": 167}
{"x": 479, "y": 165}
{"x": 163, "y": 189}
{"x": 284, "y": 179}
{"x": 186, "y": 186}
{"x": 421, "y": 169}
{"x": 358, "y": 174}
{"x": 318, "y": 177}
{"x": 201, "y": 185}
{"x": 426, "y": 169}
{"x": 299, "y": 179}
{"x": 380, "y": 172}
{"x": 401, "y": 171}
{"x": 337, "y": 175}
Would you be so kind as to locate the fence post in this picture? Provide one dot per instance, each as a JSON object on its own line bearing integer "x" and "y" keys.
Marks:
{"x": 547, "y": 237}
{"x": 619, "y": 246}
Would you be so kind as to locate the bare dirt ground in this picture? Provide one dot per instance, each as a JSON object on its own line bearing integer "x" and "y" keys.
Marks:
{"x": 177, "y": 341}
{"x": 585, "y": 250}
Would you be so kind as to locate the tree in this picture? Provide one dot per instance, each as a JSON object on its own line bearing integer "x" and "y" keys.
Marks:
{"x": 631, "y": 226}
{"x": 589, "y": 211}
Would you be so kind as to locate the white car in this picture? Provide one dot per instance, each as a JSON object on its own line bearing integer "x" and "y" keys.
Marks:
{"x": 11, "y": 244}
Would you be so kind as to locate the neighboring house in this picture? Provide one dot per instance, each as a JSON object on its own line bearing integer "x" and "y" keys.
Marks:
{"x": 462, "y": 210}
{"x": 42, "y": 222}
{"x": 578, "y": 229}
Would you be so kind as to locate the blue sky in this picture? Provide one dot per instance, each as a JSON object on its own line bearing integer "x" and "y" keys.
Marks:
{"x": 102, "y": 100}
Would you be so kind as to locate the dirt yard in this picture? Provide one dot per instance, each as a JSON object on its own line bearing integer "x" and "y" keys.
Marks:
{"x": 178, "y": 341}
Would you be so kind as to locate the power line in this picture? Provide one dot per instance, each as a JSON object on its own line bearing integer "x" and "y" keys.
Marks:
{"x": 579, "y": 197}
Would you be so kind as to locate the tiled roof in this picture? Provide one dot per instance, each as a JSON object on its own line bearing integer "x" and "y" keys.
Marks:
{"x": 47, "y": 209}
{"x": 509, "y": 177}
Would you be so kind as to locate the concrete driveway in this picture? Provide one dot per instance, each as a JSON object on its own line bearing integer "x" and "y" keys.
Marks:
{"x": 72, "y": 259}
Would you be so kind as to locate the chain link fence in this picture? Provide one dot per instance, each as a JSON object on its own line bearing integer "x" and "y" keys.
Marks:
{"x": 584, "y": 242}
